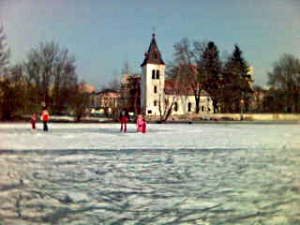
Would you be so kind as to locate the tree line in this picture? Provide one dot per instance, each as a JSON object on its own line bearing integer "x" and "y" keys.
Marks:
{"x": 46, "y": 78}
{"x": 197, "y": 65}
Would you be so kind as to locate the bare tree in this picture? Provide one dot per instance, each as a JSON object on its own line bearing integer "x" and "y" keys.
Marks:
{"x": 4, "y": 53}
{"x": 175, "y": 87}
{"x": 126, "y": 68}
{"x": 285, "y": 76}
{"x": 187, "y": 68}
{"x": 79, "y": 101}
{"x": 50, "y": 73}
{"x": 65, "y": 80}
{"x": 6, "y": 88}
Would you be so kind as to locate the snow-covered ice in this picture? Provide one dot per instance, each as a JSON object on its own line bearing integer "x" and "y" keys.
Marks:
{"x": 158, "y": 136}
{"x": 174, "y": 174}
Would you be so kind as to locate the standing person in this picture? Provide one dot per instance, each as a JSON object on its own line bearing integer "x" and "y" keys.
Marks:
{"x": 33, "y": 121}
{"x": 45, "y": 118}
{"x": 140, "y": 124}
{"x": 144, "y": 124}
{"x": 124, "y": 117}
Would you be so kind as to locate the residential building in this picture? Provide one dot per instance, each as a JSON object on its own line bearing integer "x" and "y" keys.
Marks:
{"x": 105, "y": 102}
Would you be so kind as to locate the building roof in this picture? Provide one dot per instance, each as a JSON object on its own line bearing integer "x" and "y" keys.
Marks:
{"x": 106, "y": 91}
{"x": 153, "y": 55}
{"x": 171, "y": 89}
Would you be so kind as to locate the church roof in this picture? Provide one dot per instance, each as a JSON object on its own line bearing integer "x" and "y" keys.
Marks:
{"x": 171, "y": 88}
{"x": 153, "y": 55}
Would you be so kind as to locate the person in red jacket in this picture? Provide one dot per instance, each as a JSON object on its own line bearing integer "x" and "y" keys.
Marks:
{"x": 45, "y": 118}
{"x": 33, "y": 121}
{"x": 144, "y": 125}
{"x": 124, "y": 118}
{"x": 141, "y": 124}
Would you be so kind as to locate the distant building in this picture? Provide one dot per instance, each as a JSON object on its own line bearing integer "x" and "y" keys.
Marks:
{"x": 105, "y": 101}
{"x": 184, "y": 100}
{"x": 130, "y": 92}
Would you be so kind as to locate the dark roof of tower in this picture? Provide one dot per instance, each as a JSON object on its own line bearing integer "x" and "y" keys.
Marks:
{"x": 153, "y": 55}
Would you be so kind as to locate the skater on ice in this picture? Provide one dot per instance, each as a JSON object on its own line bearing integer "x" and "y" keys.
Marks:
{"x": 45, "y": 118}
{"x": 33, "y": 121}
{"x": 124, "y": 118}
{"x": 140, "y": 124}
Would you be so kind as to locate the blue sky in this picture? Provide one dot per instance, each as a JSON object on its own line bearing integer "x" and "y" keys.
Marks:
{"x": 103, "y": 35}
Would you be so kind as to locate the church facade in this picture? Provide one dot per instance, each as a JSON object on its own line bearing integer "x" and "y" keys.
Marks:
{"x": 156, "y": 93}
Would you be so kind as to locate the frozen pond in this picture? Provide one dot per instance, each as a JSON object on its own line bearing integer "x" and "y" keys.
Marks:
{"x": 174, "y": 174}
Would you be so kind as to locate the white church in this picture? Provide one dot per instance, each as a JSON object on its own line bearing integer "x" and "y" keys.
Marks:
{"x": 157, "y": 91}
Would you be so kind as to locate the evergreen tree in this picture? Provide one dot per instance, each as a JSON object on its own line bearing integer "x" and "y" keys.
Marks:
{"x": 211, "y": 67}
{"x": 237, "y": 82}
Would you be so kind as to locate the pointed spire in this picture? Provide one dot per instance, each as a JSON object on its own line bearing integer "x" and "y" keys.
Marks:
{"x": 153, "y": 55}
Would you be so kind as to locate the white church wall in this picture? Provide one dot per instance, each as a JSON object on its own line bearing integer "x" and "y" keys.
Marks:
{"x": 149, "y": 98}
{"x": 152, "y": 88}
{"x": 186, "y": 104}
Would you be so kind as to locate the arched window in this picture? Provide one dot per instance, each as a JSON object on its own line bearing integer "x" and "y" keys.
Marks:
{"x": 175, "y": 106}
{"x": 155, "y": 89}
{"x": 189, "y": 107}
{"x": 157, "y": 74}
{"x": 202, "y": 108}
{"x": 155, "y": 103}
{"x": 153, "y": 74}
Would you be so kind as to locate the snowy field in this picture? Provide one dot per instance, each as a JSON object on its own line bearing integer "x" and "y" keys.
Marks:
{"x": 174, "y": 174}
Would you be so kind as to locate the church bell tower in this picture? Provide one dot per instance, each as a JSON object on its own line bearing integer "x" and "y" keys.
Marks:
{"x": 153, "y": 81}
